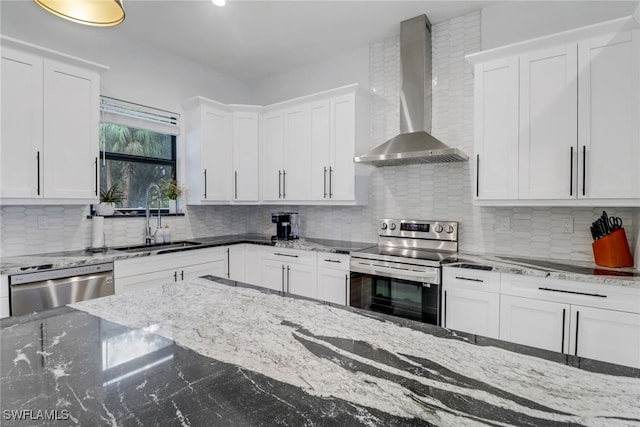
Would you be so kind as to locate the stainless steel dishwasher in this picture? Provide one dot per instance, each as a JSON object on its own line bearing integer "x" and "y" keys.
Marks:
{"x": 41, "y": 290}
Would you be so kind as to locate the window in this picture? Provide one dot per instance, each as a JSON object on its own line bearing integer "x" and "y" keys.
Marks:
{"x": 138, "y": 147}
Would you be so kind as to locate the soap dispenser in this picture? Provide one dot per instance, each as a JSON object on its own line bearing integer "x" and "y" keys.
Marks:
{"x": 166, "y": 233}
{"x": 159, "y": 236}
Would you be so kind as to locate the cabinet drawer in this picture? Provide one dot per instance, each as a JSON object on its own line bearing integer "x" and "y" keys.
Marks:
{"x": 135, "y": 266}
{"x": 291, "y": 256}
{"x": 596, "y": 295}
{"x": 333, "y": 261}
{"x": 467, "y": 278}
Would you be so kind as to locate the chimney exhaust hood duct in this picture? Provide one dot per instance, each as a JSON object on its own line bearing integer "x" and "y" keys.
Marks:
{"x": 414, "y": 144}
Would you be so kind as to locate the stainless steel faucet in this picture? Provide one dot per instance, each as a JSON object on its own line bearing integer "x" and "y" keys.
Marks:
{"x": 147, "y": 213}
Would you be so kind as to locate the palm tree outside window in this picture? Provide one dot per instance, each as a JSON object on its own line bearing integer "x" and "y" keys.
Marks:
{"x": 138, "y": 147}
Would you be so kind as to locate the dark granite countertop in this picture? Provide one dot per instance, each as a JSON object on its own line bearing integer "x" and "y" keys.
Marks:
{"x": 203, "y": 353}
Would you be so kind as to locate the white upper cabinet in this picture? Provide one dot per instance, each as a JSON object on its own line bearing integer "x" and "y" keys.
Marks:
{"x": 578, "y": 120}
{"x": 308, "y": 148}
{"x": 287, "y": 154}
{"x": 209, "y": 149}
{"x": 548, "y": 127}
{"x": 296, "y": 176}
{"x": 50, "y": 120}
{"x": 246, "y": 154}
{"x": 300, "y": 150}
{"x": 609, "y": 117}
{"x": 272, "y": 154}
{"x": 22, "y": 149}
{"x": 496, "y": 131}
{"x": 71, "y": 129}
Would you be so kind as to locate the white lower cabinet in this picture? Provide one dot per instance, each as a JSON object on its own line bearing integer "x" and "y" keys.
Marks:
{"x": 609, "y": 335}
{"x": 139, "y": 273}
{"x": 538, "y": 323}
{"x": 333, "y": 278}
{"x": 253, "y": 264}
{"x": 235, "y": 262}
{"x": 4, "y": 296}
{"x": 600, "y": 322}
{"x": 291, "y": 271}
{"x": 471, "y": 301}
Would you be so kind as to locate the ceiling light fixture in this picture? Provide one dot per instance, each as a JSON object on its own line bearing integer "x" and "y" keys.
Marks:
{"x": 100, "y": 13}
{"x": 219, "y": 2}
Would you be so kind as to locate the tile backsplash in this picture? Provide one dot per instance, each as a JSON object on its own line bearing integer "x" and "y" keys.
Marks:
{"x": 437, "y": 191}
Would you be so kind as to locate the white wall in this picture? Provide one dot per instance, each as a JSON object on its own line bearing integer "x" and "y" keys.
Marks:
{"x": 342, "y": 70}
{"x": 139, "y": 72}
{"x": 514, "y": 21}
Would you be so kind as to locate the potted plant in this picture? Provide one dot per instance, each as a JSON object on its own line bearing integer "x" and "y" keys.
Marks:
{"x": 108, "y": 200}
{"x": 172, "y": 191}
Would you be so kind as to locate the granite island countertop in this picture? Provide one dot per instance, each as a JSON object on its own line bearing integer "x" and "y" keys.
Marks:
{"x": 205, "y": 353}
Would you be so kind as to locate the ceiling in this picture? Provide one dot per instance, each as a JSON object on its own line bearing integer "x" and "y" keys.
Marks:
{"x": 252, "y": 40}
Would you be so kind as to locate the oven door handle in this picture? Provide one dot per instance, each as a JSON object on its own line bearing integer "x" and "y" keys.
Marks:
{"x": 431, "y": 276}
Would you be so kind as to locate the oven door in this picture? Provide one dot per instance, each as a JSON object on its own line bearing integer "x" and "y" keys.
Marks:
{"x": 398, "y": 297}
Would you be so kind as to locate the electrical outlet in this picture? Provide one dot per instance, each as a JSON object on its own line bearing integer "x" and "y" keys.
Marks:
{"x": 566, "y": 225}
{"x": 43, "y": 222}
{"x": 502, "y": 223}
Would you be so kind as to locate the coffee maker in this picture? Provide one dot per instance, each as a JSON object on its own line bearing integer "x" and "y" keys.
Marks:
{"x": 287, "y": 225}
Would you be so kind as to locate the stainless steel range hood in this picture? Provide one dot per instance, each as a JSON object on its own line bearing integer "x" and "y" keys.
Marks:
{"x": 414, "y": 144}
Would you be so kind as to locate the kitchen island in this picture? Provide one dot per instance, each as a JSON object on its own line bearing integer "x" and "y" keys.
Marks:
{"x": 207, "y": 353}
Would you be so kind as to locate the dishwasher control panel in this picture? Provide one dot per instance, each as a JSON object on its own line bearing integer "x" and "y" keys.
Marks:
{"x": 59, "y": 273}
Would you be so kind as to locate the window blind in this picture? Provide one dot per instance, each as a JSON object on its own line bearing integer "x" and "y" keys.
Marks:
{"x": 126, "y": 113}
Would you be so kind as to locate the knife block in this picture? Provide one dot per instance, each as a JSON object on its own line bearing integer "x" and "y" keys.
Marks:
{"x": 613, "y": 250}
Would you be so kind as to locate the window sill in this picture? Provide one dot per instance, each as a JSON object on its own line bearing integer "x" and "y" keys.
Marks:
{"x": 139, "y": 215}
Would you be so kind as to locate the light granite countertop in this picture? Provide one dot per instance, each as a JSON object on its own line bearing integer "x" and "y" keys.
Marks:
{"x": 29, "y": 263}
{"x": 581, "y": 271}
{"x": 203, "y": 353}
{"x": 550, "y": 268}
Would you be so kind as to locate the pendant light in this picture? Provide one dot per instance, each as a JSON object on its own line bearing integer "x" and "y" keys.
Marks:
{"x": 100, "y": 13}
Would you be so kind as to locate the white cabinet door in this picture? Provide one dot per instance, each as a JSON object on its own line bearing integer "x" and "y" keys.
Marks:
{"x": 71, "y": 110}
{"x": 548, "y": 123}
{"x": 343, "y": 139}
{"x": 144, "y": 281}
{"x": 609, "y": 112}
{"x": 301, "y": 280}
{"x": 214, "y": 268}
{"x": 4, "y": 296}
{"x": 496, "y": 129}
{"x": 319, "y": 126}
{"x": 246, "y": 159}
{"x": 253, "y": 264}
{"x": 235, "y": 259}
{"x": 475, "y": 312}
{"x": 541, "y": 324}
{"x": 272, "y": 275}
{"x": 333, "y": 285}
{"x": 21, "y": 154}
{"x": 296, "y": 179}
{"x": 608, "y": 335}
{"x": 216, "y": 142}
{"x": 272, "y": 155}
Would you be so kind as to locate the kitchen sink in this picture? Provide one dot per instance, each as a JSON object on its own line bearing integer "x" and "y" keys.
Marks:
{"x": 160, "y": 247}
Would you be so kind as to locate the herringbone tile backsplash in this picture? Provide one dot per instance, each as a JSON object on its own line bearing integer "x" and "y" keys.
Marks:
{"x": 436, "y": 191}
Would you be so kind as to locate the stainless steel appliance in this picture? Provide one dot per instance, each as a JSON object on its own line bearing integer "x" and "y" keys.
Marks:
{"x": 287, "y": 225}
{"x": 402, "y": 275}
{"x": 414, "y": 144}
{"x": 41, "y": 290}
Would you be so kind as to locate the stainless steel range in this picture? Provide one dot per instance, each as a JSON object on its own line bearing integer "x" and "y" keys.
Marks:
{"x": 402, "y": 275}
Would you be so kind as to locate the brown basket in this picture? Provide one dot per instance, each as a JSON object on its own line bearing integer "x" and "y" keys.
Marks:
{"x": 613, "y": 250}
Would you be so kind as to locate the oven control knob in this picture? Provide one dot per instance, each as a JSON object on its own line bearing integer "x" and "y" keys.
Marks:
{"x": 383, "y": 226}
{"x": 450, "y": 229}
{"x": 392, "y": 226}
{"x": 438, "y": 228}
